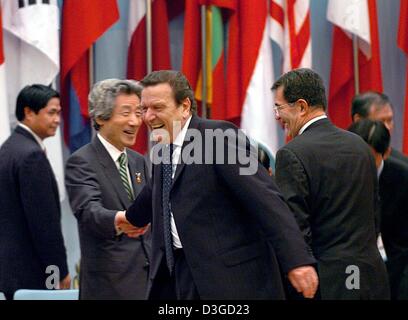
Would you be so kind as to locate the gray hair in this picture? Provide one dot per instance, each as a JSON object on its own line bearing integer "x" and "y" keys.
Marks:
{"x": 101, "y": 99}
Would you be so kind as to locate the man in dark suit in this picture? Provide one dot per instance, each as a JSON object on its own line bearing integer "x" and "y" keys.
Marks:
{"x": 393, "y": 176}
{"x": 328, "y": 177}
{"x": 102, "y": 179}
{"x": 30, "y": 216}
{"x": 220, "y": 229}
{"x": 376, "y": 106}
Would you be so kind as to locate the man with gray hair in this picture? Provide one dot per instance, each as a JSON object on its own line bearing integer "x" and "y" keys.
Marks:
{"x": 102, "y": 180}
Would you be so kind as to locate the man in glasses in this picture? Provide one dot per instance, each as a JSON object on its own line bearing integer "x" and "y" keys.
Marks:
{"x": 329, "y": 179}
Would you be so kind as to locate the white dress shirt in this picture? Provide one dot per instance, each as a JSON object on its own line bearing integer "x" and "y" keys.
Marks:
{"x": 177, "y": 144}
{"x": 307, "y": 124}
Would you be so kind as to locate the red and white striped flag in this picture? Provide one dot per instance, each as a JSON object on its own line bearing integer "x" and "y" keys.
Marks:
{"x": 257, "y": 118}
{"x": 403, "y": 44}
{"x": 290, "y": 29}
{"x": 137, "y": 57}
{"x": 4, "y": 110}
{"x": 358, "y": 18}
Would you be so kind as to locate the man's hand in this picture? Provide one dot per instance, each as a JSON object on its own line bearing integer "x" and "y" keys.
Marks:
{"x": 65, "y": 283}
{"x": 123, "y": 225}
{"x": 304, "y": 279}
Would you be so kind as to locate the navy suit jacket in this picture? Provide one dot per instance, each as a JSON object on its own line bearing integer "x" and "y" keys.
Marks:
{"x": 30, "y": 226}
{"x": 236, "y": 230}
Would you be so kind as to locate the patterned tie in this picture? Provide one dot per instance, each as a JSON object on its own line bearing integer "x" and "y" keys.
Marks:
{"x": 123, "y": 175}
{"x": 166, "y": 184}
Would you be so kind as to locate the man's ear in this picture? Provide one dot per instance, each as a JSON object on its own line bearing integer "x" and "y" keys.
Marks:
{"x": 186, "y": 105}
{"x": 387, "y": 153}
{"x": 304, "y": 107}
{"x": 28, "y": 113}
{"x": 100, "y": 122}
{"x": 356, "y": 117}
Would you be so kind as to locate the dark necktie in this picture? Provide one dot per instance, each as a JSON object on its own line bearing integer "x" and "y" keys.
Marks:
{"x": 166, "y": 184}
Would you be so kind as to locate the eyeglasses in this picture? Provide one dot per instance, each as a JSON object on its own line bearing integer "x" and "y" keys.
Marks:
{"x": 282, "y": 106}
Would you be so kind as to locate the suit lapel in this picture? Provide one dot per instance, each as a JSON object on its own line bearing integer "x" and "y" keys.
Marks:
{"x": 111, "y": 171}
{"x": 180, "y": 167}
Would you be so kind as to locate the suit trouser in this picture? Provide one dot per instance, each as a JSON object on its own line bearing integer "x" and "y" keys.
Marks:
{"x": 178, "y": 286}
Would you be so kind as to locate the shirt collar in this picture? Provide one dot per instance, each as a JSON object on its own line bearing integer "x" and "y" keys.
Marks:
{"x": 112, "y": 150}
{"x": 180, "y": 137}
{"x": 307, "y": 124}
{"x": 36, "y": 137}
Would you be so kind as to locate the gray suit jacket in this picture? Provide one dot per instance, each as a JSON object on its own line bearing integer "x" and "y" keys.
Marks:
{"x": 112, "y": 267}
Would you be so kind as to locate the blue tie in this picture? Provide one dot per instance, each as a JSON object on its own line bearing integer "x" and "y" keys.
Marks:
{"x": 167, "y": 180}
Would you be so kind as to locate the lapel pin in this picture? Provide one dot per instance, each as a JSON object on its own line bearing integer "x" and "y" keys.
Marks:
{"x": 138, "y": 177}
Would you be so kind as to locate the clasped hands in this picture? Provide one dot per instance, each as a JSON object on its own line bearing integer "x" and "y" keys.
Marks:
{"x": 123, "y": 225}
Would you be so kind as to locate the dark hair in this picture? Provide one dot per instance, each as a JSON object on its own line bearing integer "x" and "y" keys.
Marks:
{"x": 375, "y": 133}
{"x": 263, "y": 157}
{"x": 178, "y": 82}
{"x": 303, "y": 84}
{"x": 35, "y": 97}
{"x": 362, "y": 103}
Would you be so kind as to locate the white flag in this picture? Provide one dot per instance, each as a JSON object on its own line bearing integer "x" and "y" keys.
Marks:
{"x": 258, "y": 118}
{"x": 31, "y": 43}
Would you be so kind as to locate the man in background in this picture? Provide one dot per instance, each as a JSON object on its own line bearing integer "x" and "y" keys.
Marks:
{"x": 328, "y": 178}
{"x": 102, "y": 179}
{"x": 376, "y": 106}
{"x": 30, "y": 215}
{"x": 393, "y": 177}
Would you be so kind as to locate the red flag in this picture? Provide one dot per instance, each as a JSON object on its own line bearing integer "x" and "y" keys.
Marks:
{"x": 403, "y": 44}
{"x": 83, "y": 22}
{"x": 4, "y": 112}
{"x": 192, "y": 63}
{"x": 245, "y": 38}
{"x": 342, "y": 90}
{"x": 137, "y": 68}
{"x": 291, "y": 31}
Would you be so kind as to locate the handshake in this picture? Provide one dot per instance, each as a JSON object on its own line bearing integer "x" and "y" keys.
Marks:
{"x": 122, "y": 225}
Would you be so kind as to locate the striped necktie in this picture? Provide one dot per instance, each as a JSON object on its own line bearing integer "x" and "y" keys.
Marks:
{"x": 124, "y": 176}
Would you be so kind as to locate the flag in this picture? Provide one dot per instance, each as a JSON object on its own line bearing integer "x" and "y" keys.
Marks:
{"x": 137, "y": 56}
{"x": 4, "y": 110}
{"x": 258, "y": 118}
{"x": 403, "y": 44}
{"x": 32, "y": 56}
{"x": 290, "y": 29}
{"x": 83, "y": 22}
{"x": 358, "y": 18}
{"x": 215, "y": 52}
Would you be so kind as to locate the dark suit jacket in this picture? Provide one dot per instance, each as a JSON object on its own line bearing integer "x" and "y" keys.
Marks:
{"x": 399, "y": 155}
{"x": 111, "y": 267}
{"x": 234, "y": 228}
{"x": 328, "y": 177}
{"x": 394, "y": 223}
{"x": 30, "y": 216}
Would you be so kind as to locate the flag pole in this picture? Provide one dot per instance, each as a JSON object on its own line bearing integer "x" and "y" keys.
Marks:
{"x": 204, "y": 61}
{"x": 149, "y": 36}
{"x": 356, "y": 68}
{"x": 149, "y": 62}
{"x": 91, "y": 79}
